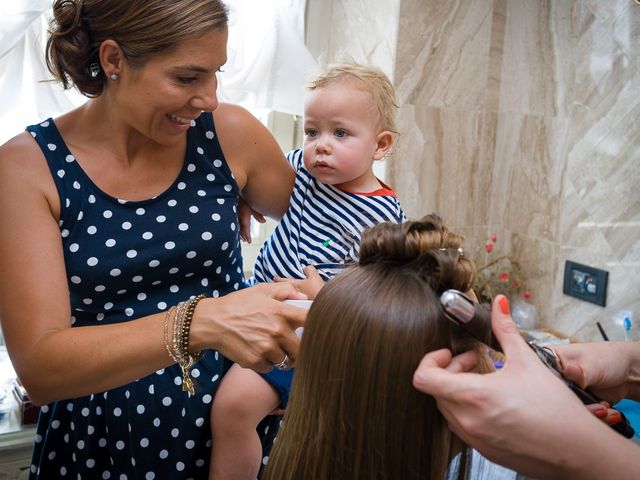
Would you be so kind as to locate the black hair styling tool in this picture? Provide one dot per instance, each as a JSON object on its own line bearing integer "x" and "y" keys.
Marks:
{"x": 475, "y": 319}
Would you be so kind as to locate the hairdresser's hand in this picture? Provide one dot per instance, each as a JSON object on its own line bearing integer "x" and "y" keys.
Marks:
{"x": 611, "y": 370}
{"x": 253, "y": 327}
{"x": 245, "y": 212}
{"x": 310, "y": 286}
{"x": 518, "y": 416}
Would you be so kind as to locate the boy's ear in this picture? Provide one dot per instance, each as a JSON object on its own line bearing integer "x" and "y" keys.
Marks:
{"x": 384, "y": 144}
{"x": 111, "y": 57}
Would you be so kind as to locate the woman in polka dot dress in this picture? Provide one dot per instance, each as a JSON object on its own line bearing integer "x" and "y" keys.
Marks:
{"x": 117, "y": 211}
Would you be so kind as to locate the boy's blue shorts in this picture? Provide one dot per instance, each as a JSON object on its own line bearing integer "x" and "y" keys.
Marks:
{"x": 280, "y": 380}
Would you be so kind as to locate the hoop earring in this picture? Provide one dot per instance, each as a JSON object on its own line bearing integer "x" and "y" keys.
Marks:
{"x": 113, "y": 76}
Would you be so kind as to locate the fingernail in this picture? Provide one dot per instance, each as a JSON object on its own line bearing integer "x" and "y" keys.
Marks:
{"x": 504, "y": 304}
{"x": 600, "y": 413}
{"x": 614, "y": 418}
{"x": 605, "y": 404}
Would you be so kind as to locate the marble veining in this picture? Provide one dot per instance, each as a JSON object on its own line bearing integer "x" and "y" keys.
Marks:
{"x": 450, "y": 42}
{"x": 520, "y": 117}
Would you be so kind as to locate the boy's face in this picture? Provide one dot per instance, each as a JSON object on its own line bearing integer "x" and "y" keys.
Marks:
{"x": 340, "y": 137}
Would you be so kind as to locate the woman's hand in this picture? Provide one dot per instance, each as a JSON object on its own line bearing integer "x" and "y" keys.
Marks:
{"x": 253, "y": 327}
{"x": 245, "y": 212}
{"x": 611, "y": 370}
{"x": 522, "y": 416}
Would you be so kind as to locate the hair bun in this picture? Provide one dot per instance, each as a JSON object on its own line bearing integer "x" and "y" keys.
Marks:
{"x": 425, "y": 246}
{"x": 69, "y": 49}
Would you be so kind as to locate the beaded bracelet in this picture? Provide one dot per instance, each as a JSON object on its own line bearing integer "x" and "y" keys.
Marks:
{"x": 186, "y": 325}
{"x": 178, "y": 350}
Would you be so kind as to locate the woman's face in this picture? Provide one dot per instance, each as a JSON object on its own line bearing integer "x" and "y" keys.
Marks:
{"x": 161, "y": 98}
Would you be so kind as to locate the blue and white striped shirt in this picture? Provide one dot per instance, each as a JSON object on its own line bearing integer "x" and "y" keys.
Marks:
{"x": 322, "y": 227}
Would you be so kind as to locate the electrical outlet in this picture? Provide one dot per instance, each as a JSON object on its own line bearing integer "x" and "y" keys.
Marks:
{"x": 586, "y": 283}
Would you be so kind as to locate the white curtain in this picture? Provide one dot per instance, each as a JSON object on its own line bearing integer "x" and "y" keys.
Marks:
{"x": 267, "y": 67}
{"x": 268, "y": 60}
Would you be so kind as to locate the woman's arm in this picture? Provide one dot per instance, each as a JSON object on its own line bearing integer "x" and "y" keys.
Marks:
{"x": 258, "y": 164}
{"x": 55, "y": 361}
{"x": 52, "y": 359}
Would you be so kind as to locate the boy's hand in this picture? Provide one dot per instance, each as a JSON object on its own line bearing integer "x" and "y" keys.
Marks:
{"x": 310, "y": 286}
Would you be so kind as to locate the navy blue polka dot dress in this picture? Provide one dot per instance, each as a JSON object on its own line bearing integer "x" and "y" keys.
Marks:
{"x": 124, "y": 260}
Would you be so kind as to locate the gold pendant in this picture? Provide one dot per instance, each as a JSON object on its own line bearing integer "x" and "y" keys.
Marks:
{"x": 187, "y": 383}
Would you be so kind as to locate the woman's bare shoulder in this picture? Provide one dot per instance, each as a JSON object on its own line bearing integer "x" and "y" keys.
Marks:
{"x": 234, "y": 119}
{"x": 23, "y": 167}
{"x": 19, "y": 153}
{"x": 23, "y": 141}
{"x": 258, "y": 164}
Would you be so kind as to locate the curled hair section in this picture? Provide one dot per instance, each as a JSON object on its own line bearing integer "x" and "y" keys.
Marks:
{"x": 426, "y": 247}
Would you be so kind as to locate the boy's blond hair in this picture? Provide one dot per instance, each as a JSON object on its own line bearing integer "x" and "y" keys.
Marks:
{"x": 373, "y": 81}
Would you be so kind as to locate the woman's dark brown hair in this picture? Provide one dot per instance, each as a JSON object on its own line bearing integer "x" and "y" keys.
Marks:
{"x": 142, "y": 28}
{"x": 353, "y": 412}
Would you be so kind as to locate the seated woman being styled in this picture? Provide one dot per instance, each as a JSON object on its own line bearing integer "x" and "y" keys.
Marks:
{"x": 353, "y": 412}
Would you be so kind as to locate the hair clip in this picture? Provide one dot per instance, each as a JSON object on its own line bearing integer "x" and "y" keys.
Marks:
{"x": 94, "y": 70}
{"x": 459, "y": 250}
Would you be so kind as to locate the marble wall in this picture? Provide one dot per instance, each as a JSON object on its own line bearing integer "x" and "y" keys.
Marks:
{"x": 519, "y": 118}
